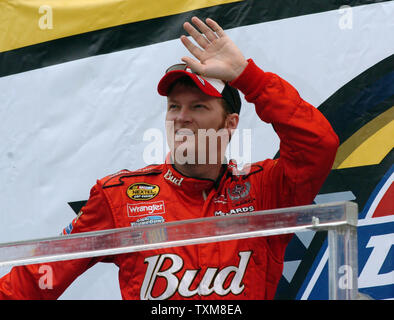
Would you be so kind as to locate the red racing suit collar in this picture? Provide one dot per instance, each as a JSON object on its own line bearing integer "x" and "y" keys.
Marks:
{"x": 192, "y": 184}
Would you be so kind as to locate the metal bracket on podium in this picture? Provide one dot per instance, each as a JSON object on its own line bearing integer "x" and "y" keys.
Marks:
{"x": 340, "y": 219}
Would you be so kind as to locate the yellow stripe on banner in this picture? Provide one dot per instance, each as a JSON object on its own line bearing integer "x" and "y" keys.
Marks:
{"x": 28, "y": 22}
{"x": 373, "y": 150}
{"x": 352, "y": 152}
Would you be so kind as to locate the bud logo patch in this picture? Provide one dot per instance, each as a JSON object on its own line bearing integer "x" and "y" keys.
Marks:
{"x": 173, "y": 179}
{"x": 212, "y": 281}
{"x": 142, "y": 191}
{"x": 151, "y": 208}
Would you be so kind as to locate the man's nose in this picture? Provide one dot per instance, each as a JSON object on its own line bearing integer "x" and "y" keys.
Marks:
{"x": 184, "y": 115}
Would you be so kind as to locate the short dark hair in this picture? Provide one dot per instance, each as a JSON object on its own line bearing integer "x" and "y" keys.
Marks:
{"x": 189, "y": 83}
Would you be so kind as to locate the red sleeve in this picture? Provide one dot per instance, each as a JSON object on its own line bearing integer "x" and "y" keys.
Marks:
{"x": 49, "y": 280}
{"x": 308, "y": 143}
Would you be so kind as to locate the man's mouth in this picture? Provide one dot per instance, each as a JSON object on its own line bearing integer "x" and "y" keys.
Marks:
{"x": 184, "y": 132}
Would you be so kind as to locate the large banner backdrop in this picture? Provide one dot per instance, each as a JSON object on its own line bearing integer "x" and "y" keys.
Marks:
{"x": 78, "y": 101}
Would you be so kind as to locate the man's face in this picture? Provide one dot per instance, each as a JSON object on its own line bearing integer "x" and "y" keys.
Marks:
{"x": 197, "y": 128}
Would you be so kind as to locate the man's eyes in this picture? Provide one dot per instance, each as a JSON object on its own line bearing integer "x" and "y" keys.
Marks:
{"x": 172, "y": 106}
{"x": 197, "y": 106}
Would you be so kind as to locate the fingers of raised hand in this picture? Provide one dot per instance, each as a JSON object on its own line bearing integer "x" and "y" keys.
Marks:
{"x": 204, "y": 29}
{"x": 215, "y": 27}
{"x": 206, "y": 33}
{"x": 193, "y": 49}
{"x": 196, "y": 35}
{"x": 195, "y": 65}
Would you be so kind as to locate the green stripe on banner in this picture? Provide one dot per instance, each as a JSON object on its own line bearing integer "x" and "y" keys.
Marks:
{"x": 157, "y": 30}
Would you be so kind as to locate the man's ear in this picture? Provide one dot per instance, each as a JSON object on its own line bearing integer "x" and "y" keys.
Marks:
{"x": 232, "y": 121}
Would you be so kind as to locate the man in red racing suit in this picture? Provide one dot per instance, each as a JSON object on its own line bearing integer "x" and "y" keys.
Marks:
{"x": 237, "y": 269}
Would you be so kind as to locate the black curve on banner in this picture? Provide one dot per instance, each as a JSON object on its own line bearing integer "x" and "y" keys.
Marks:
{"x": 157, "y": 30}
{"x": 349, "y": 109}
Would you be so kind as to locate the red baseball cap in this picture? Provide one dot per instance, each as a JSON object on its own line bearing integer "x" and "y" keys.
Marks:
{"x": 210, "y": 86}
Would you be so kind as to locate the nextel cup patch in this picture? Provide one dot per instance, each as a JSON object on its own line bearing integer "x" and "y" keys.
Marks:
{"x": 142, "y": 191}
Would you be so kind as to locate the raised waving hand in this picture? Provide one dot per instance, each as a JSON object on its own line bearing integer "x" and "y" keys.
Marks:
{"x": 216, "y": 55}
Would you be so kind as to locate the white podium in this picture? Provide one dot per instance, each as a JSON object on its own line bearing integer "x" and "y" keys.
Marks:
{"x": 340, "y": 219}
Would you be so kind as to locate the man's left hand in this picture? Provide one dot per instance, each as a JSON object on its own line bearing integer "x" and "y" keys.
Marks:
{"x": 218, "y": 56}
